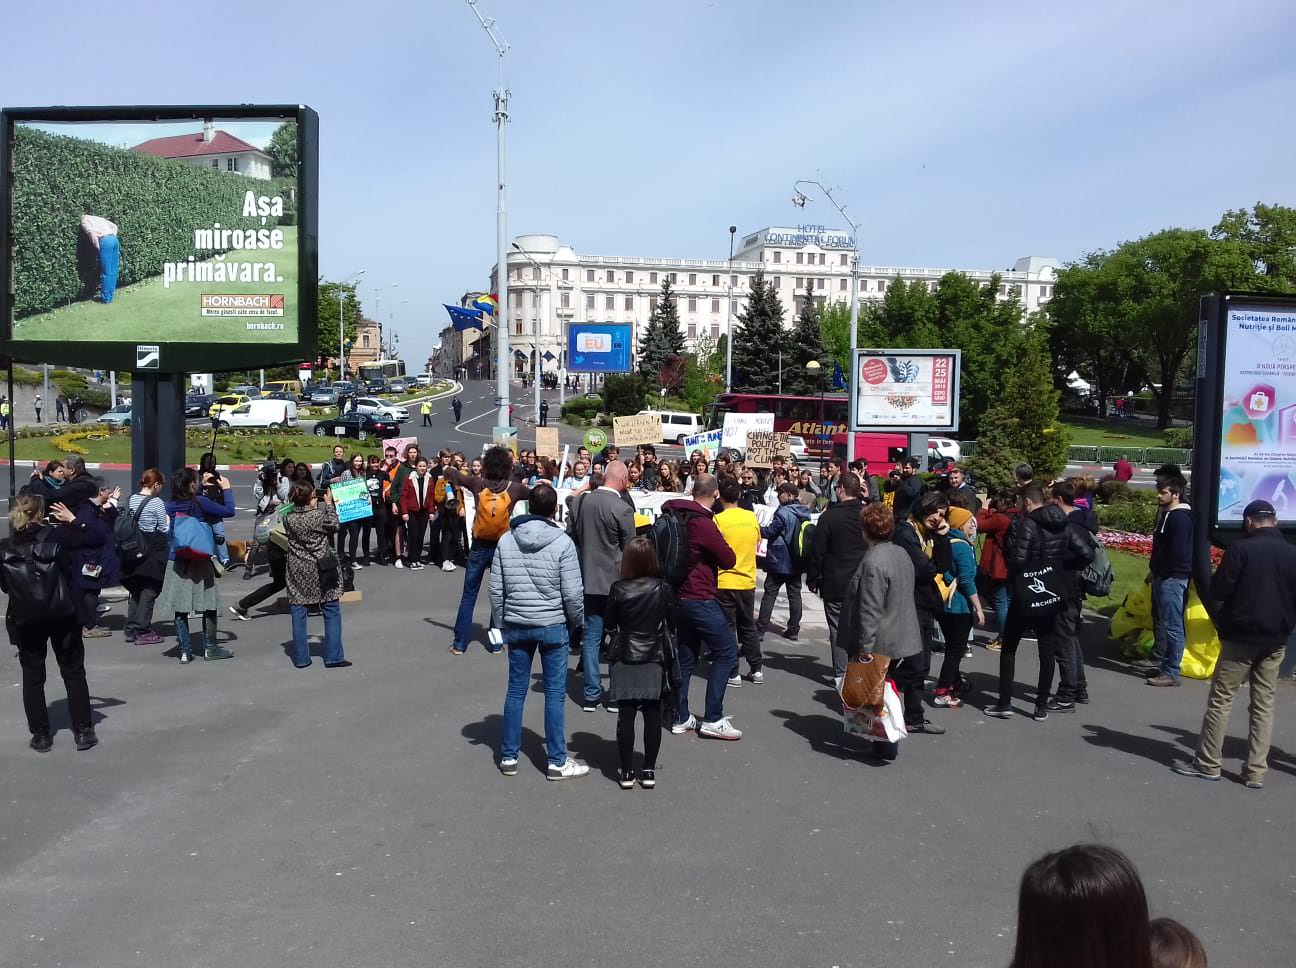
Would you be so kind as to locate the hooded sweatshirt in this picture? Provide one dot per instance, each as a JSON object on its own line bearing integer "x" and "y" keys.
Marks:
{"x": 535, "y": 581}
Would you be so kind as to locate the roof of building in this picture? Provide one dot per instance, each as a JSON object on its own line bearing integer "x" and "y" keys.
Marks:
{"x": 193, "y": 146}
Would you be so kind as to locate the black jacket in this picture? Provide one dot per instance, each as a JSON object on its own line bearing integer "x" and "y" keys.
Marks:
{"x": 1255, "y": 586}
{"x": 636, "y": 614}
{"x": 837, "y": 550}
{"x": 1048, "y": 535}
{"x": 1085, "y": 518}
{"x": 926, "y": 595}
{"x": 907, "y": 493}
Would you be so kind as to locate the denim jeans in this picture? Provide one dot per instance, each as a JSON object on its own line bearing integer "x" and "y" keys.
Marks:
{"x": 109, "y": 265}
{"x": 522, "y": 646}
{"x": 999, "y": 599}
{"x": 479, "y": 559}
{"x": 1169, "y": 599}
{"x": 594, "y": 605}
{"x": 698, "y": 623}
{"x": 222, "y": 547}
{"x": 301, "y": 656}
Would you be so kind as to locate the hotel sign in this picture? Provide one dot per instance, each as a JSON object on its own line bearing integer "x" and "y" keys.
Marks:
{"x": 804, "y": 235}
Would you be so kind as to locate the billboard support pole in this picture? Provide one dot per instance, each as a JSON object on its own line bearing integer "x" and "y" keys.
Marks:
{"x": 9, "y": 431}
{"x": 918, "y": 448}
{"x": 157, "y": 422}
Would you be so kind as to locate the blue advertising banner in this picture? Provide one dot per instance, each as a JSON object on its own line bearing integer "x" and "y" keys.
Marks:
{"x": 599, "y": 347}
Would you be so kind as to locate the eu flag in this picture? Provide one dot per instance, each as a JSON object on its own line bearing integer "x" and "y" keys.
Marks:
{"x": 839, "y": 378}
{"x": 464, "y": 318}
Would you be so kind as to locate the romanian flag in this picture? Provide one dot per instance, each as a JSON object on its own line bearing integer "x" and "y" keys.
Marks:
{"x": 487, "y": 303}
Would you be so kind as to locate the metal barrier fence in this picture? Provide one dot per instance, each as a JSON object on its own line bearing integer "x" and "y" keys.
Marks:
{"x": 1087, "y": 454}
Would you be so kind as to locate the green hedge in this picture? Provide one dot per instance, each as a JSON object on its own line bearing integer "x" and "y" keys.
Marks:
{"x": 1136, "y": 513}
{"x": 155, "y": 202}
{"x": 582, "y": 407}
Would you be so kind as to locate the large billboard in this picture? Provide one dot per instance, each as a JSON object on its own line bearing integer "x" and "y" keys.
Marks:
{"x": 599, "y": 347}
{"x": 906, "y": 390}
{"x": 170, "y": 239}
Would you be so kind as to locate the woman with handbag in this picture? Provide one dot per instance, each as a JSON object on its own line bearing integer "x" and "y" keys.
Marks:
{"x": 641, "y": 655}
{"x": 879, "y": 620}
{"x": 313, "y": 573}
{"x": 189, "y": 585}
{"x": 144, "y": 574}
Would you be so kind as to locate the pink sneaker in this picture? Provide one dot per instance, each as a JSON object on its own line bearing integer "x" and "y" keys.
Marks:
{"x": 947, "y": 698}
{"x": 148, "y": 638}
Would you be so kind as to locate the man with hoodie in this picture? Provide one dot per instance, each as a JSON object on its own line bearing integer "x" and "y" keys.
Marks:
{"x": 835, "y": 554}
{"x": 536, "y": 596}
{"x": 1171, "y": 567}
{"x": 700, "y": 620}
{"x": 601, "y": 524}
{"x": 1040, "y": 535}
{"x": 782, "y": 564}
{"x": 925, "y": 536}
{"x": 1073, "y": 685}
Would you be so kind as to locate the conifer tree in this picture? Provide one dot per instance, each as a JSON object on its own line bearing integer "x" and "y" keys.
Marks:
{"x": 662, "y": 339}
{"x": 759, "y": 339}
{"x": 805, "y": 344}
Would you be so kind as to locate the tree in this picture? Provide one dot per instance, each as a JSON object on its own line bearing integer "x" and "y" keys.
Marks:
{"x": 834, "y": 326}
{"x": 662, "y": 339}
{"x": 624, "y": 394}
{"x": 1267, "y": 234}
{"x": 283, "y": 151}
{"x": 806, "y": 344}
{"x": 759, "y": 339}
{"x": 328, "y": 317}
{"x": 703, "y": 374}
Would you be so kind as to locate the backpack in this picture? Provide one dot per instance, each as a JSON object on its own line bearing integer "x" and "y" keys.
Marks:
{"x": 799, "y": 544}
{"x": 492, "y": 520}
{"x": 37, "y": 589}
{"x": 670, "y": 535}
{"x": 1097, "y": 577}
{"x": 128, "y": 539}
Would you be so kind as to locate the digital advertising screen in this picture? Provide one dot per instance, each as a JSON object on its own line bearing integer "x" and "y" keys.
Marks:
{"x": 1258, "y": 431}
{"x": 187, "y": 230}
{"x": 599, "y": 347}
{"x": 907, "y": 390}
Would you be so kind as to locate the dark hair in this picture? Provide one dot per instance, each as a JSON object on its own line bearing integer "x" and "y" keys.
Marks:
{"x": 1033, "y": 493}
{"x": 858, "y": 464}
{"x": 730, "y": 490}
{"x": 149, "y": 478}
{"x": 1024, "y": 473}
{"x": 52, "y": 465}
{"x": 1082, "y": 907}
{"x": 287, "y": 466}
{"x": 930, "y": 503}
{"x": 1005, "y": 498}
{"x": 878, "y": 522}
{"x": 595, "y": 480}
{"x": 639, "y": 560}
{"x": 207, "y": 463}
{"x": 1174, "y": 483}
{"x": 850, "y": 484}
{"x": 788, "y": 489}
{"x": 77, "y": 465}
{"x": 184, "y": 484}
{"x": 959, "y": 499}
{"x": 300, "y": 493}
{"x": 543, "y": 500}
{"x": 1167, "y": 470}
{"x": 303, "y": 472}
{"x": 497, "y": 464}
{"x": 1064, "y": 491}
{"x": 1174, "y": 946}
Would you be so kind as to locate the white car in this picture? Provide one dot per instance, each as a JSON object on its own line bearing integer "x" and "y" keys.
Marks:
{"x": 262, "y": 412}
{"x": 676, "y": 424}
{"x": 118, "y": 416}
{"x": 797, "y": 447}
{"x": 378, "y": 407}
{"x": 946, "y": 447}
{"x": 424, "y": 379}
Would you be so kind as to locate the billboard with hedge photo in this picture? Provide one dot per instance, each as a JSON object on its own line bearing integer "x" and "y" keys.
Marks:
{"x": 157, "y": 232}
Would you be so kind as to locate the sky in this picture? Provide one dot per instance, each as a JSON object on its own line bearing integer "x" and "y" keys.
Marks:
{"x": 958, "y": 135}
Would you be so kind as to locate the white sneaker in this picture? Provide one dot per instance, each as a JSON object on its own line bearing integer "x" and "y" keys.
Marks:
{"x": 735, "y": 682}
{"x": 447, "y": 566}
{"x": 508, "y": 766}
{"x": 688, "y": 726}
{"x": 568, "y": 771}
{"x": 720, "y": 729}
{"x": 757, "y": 677}
{"x": 399, "y": 563}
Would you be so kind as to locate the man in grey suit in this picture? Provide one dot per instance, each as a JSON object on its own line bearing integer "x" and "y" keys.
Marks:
{"x": 601, "y": 524}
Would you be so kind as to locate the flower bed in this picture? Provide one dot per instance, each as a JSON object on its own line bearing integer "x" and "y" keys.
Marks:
{"x": 1140, "y": 544}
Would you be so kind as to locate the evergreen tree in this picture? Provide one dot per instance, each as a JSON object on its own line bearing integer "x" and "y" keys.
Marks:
{"x": 806, "y": 344}
{"x": 759, "y": 339}
{"x": 662, "y": 339}
{"x": 283, "y": 151}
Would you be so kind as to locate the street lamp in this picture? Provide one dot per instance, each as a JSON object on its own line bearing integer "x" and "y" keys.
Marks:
{"x": 799, "y": 199}
{"x": 816, "y": 371}
{"x": 378, "y": 316}
{"x": 341, "y": 317}
{"x": 729, "y": 318}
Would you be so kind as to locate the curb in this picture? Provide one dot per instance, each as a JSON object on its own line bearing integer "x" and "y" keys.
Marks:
{"x": 125, "y": 467}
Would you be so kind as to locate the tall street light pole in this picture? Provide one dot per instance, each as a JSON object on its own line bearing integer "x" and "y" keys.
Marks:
{"x": 799, "y": 199}
{"x": 729, "y": 318}
{"x": 503, "y": 430}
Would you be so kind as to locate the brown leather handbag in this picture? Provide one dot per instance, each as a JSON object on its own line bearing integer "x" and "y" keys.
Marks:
{"x": 865, "y": 681}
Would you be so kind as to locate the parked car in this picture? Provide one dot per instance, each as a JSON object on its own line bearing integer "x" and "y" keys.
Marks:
{"x": 118, "y": 416}
{"x": 281, "y": 395}
{"x": 262, "y": 412}
{"x": 225, "y": 402}
{"x": 398, "y": 385}
{"x": 375, "y": 386}
{"x": 198, "y": 404}
{"x": 676, "y": 425}
{"x": 424, "y": 379}
{"x": 361, "y": 426}
{"x": 310, "y": 386}
{"x": 246, "y": 390}
{"x": 946, "y": 447}
{"x": 324, "y": 396}
{"x": 382, "y": 408}
{"x": 797, "y": 448}
{"x": 282, "y": 386}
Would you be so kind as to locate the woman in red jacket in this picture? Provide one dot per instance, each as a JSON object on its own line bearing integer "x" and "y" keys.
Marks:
{"x": 417, "y": 505}
{"x": 993, "y": 522}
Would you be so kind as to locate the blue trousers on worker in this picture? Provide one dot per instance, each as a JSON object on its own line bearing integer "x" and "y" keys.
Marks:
{"x": 109, "y": 264}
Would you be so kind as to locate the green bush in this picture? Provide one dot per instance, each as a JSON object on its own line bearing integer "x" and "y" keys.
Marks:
{"x": 1179, "y": 437}
{"x": 1111, "y": 490}
{"x": 1136, "y": 515}
{"x": 624, "y": 394}
{"x": 155, "y": 202}
{"x": 582, "y": 407}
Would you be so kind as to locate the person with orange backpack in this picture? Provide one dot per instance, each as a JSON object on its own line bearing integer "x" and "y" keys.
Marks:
{"x": 495, "y": 493}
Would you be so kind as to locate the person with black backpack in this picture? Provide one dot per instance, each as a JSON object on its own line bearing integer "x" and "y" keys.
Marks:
{"x": 1073, "y": 686}
{"x": 36, "y": 573}
{"x": 785, "y": 557}
{"x": 142, "y": 537}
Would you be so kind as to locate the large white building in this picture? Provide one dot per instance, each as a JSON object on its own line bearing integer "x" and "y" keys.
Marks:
{"x": 550, "y": 284}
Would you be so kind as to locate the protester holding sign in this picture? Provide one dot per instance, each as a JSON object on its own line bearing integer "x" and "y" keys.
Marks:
{"x": 354, "y": 508}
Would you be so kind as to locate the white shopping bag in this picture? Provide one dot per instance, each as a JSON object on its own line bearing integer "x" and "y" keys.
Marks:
{"x": 885, "y": 724}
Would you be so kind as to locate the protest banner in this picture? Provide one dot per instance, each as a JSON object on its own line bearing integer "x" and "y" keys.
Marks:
{"x": 546, "y": 442}
{"x": 351, "y": 500}
{"x": 708, "y": 443}
{"x": 763, "y": 446}
{"x": 400, "y": 443}
{"x": 738, "y": 425}
{"x": 642, "y": 428}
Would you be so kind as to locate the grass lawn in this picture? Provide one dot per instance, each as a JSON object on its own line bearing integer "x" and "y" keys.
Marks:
{"x": 1089, "y": 432}
{"x": 1129, "y": 571}
{"x": 148, "y": 312}
{"x": 116, "y": 449}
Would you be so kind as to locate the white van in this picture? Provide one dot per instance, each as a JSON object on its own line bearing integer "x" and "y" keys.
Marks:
{"x": 261, "y": 413}
{"x": 676, "y": 425}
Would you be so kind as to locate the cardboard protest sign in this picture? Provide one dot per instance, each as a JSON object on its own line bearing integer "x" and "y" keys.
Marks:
{"x": 738, "y": 425}
{"x": 642, "y": 428}
{"x": 708, "y": 443}
{"x": 400, "y": 443}
{"x": 763, "y": 446}
{"x": 546, "y": 442}
{"x": 351, "y": 500}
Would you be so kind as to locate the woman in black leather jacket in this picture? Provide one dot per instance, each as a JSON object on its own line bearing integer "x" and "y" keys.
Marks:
{"x": 638, "y": 616}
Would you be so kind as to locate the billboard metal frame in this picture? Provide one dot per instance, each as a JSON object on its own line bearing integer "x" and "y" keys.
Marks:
{"x": 955, "y": 386}
{"x": 573, "y": 329}
{"x": 179, "y": 357}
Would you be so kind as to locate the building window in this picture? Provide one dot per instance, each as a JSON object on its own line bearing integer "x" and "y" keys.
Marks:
{"x": 589, "y": 275}
{"x": 819, "y": 283}
{"x": 733, "y": 305}
{"x": 566, "y": 300}
{"x": 692, "y": 278}
{"x": 715, "y": 305}
{"x": 1003, "y": 289}
{"x": 629, "y": 276}
{"x": 776, "y": 282}
{"x": 652, "y": 278}
{"x": 843, "y": 258}
{"x": 1046, "y": 292}
{"x": 535, "y": 300}
{"x": 674, "y": 278}
{"x": 692, "y": 331}
{"x": 609, "y": 303}
{"x": 629, "y": 303}
{"x": 692, "y": 304}
{"x": 519, "y": 328}
{"x": 535, "y": 272}
{"x": 565, "y": 274}
{"x": 216, "y": 163}
{"x": 364, "y": 341}
{"x": 652, "y": 305}
{"x": 589, "y": 303}
{"x": 842, "y": 287}
{"x": 715, "y": 330}
{"x": 778, "y": 256}
{"x": 715, "y": 281}
{"x": 821, "y": 258}
{"x": 800, "y": 258}
{"x": 733, "y": 281}
{"x": 611, "y": 276}
{"x": 881, "y": 285}
{"x": 231, "y": 164}
{"x": 933, "y": 286}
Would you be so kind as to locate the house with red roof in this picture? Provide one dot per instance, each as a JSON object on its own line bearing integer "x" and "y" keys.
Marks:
{"x": 211, "y": 148}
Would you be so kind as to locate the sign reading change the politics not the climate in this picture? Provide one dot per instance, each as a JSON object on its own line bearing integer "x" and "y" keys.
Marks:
{"x": 907, "y": 390}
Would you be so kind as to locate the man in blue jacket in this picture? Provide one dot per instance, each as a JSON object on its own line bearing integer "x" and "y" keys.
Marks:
{"x": 782, "y": 566}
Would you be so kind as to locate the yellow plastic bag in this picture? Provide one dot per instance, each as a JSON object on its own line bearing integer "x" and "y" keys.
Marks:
{"x": 1134, "y": 614}
{"x": 1201, "y": 641}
